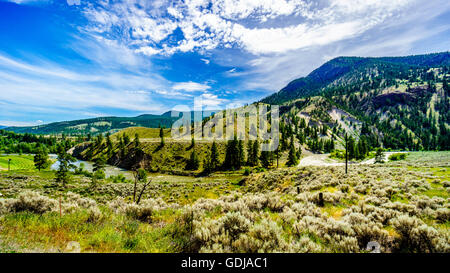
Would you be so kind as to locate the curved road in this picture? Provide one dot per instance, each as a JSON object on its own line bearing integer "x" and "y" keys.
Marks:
{"x": 324, "y": 160}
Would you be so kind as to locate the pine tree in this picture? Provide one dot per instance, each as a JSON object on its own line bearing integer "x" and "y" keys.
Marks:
{"x": 136, "y": 141}
{"x": 109, "y": 145}
{"x": 265, "y": 159}
{"x": 241, "y": 154}
{"x": 255, "y": 153}
{"x": 292, "y": 156}
{"x": 351, "y": 147}
{"x": 250, "y": 153}
{"x": 99, "y": 164}
{"x": 65, "y": 164}
{"x": 379, "y": 156}
{"x": 214, "y": 157}
{"x": 126, "y": 139}
{"x": 99, "y": 141}
{"x": 41, "y": 159}
{"x": 194, "y": 162}
{"x": 161, "y": 135}
{"x": 233, "y": 155}
{"x": 207, "y": 164}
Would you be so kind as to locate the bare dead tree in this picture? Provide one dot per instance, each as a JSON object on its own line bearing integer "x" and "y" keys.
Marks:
{"x": 140, "y": 176}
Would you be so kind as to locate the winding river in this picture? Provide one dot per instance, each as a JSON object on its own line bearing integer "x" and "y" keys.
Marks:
{"x": 89, "y": 166}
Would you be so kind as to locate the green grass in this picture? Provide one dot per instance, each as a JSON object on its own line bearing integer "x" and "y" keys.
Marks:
{"x": 143, "y": 132}
{"x": 113, "y": 234}
{"x": 440, "y": 192}
{"x": 18, "y": 162}
{"x": 118, "y": 233}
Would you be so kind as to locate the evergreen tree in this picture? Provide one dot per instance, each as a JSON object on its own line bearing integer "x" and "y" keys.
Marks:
{"x": 215, "y": 163}
{"x": 277, "y": 154}
{"x": 161, "y": 135}
{"x": 65, "y": 164}
{"x": 265, "y": 159}
{"x": 99, "y": 141}
{"x": 126, "y": 139}
{"x": 292, "y": 156}
{"x": 255, "y": 153}
{"x": 136, "y": 140}
{"x": 241, "y": 154}
{"x": 379, "y": 156}
{"x": 207, "y": 164}
{"x": 41, "y": 160}
{"x": 99, "y": 164}
{"x": 194, "y": 162}
{"x": 351, "y": 147}
{"x": 233, "y": 155}
{"x": 250, "y": 157}
{"x": 109, "y": 145}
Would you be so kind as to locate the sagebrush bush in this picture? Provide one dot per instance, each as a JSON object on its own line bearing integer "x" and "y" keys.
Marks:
{"x": 32, "y": 202}
{"x": 415, "y": 236}
{"x": 142, "y": 212}
{"x": 265, "y": 237}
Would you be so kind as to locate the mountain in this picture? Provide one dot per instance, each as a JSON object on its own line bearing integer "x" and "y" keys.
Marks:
{"x": 402, "y": 102}
{"x": 97, "y": 125}
{"x": 346, "y": 70}
{"x": 104, "y": 124}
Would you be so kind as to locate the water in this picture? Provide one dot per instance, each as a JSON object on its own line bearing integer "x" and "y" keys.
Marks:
{"x": 89, "y": 166}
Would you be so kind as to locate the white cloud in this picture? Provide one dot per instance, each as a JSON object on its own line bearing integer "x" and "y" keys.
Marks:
{"x": 191, "y": 86}
{"x": 29, "y": 1}
{"x": 206, "y": 25}
{"x": 41, "y": 86}
{"x": 9, "y": 123}
{"x": 212, "y": 102}
{"x": 206, "y": 61}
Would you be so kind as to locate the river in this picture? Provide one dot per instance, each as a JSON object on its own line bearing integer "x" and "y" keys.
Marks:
{"x": 89, "y": 166}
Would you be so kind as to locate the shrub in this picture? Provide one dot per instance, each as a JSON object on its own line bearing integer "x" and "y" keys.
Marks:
{"x": 83, "y": 202}
{"x": 32, "y": 202}
{"x": 264, "y": 237}
{"x": 142, "y": 212}
{"x": 398, "y": 156}
{"x": 305, "y": 245}
{"x": 365, "y": 229}
{"x": 443, "y": 215}
{"x": 415, "y": 236}
{"x": 234, "y": 224}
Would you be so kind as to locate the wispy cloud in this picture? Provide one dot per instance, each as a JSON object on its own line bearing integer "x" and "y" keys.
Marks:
{"x": 133, "y": 56}
{"x": 207, "y": 25}
{"x": 190, "y": 86}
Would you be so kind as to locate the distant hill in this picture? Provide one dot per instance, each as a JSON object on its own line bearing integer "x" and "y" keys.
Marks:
{"x": 97, "y": 125}
{"x": 143, "y": 132}
{"x": 104, "y": 124}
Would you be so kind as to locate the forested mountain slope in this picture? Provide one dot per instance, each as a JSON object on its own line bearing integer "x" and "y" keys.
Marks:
{"x": 401, "y": 101}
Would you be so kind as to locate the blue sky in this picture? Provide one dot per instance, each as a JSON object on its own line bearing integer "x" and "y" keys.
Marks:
{"x": 74, "y": 59}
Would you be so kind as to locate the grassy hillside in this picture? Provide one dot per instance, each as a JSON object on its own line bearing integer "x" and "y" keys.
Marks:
{"x": 143, "y": 132}
{"x": 18, "y": 162}
{"x": 170, "y": 158}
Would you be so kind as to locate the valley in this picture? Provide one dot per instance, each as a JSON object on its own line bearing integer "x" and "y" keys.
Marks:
{"x": 127, "y": 185}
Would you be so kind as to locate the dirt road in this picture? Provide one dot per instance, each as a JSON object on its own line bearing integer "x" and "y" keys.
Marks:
{"x": 324, "y": 160}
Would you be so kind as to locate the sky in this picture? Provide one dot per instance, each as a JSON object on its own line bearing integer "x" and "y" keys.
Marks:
{"x": 76, "y": 59}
